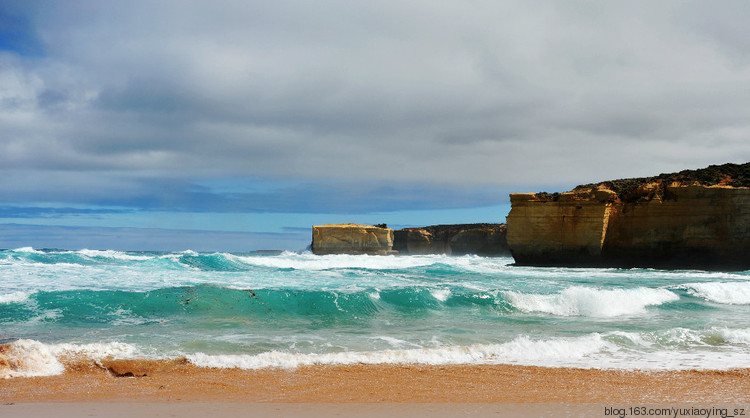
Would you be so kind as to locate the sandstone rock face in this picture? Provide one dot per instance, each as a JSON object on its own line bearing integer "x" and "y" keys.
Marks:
{"x": 566, "y": 228}
{"x": 689, "y": 226}
{"x": 352, "y": 239}
{"x": 479, "y": 239}
{"x": 659, "y": 223}
{"x": 417, "y": 241}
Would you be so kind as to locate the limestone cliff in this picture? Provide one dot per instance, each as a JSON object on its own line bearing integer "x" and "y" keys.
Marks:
{"x": 479, "y": 239}
{"x": 565, "y": 228}
{"x": 692, "y": 219}
{"x": 352, "y": 239}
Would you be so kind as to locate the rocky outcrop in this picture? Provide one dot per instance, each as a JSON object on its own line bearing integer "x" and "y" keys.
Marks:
{"x": 479, "y": 239}
{"x": 692, "y": 219}
{"x": 352, "y": 239}
{"x": 561, "y": 229}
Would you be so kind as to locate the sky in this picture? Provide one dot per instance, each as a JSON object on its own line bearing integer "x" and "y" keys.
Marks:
{"x": 236, "y": 126}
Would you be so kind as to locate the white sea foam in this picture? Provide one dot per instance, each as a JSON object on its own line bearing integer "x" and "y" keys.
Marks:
{"x": 29, "y": 250}
{"x": 123, "y": 316}
{"x": 586, "y": 301}
{"x": 308, "y": 261}
{"x": 732, "y": 293}
{"x": 733, "y": 336}
{"x": 96, "y": 350}
{"x": 671, "y": 350}
{"x": 678, "y": 348}
{"x": 684, "y": 338}
{"x": 27, "y": 358}
{"x": 440, "y": 294}
{"x": 564, "y": 273}
{"x": 396, "y": 342}
{"x": 477, "y": 264}
{"x": 176, "y": 255}
{"x": 635, "y": 338}
{"x": 116, "y": 255}
{"x": 522, "y": 350}
{"x": 590, "y": 352}
{"x": 15, "y": 297}
{"x": 46, "y": 315}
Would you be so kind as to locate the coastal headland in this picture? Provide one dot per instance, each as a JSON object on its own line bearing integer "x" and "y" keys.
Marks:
{"x": 694, "y": 219}
{"x": 480, "y": 239}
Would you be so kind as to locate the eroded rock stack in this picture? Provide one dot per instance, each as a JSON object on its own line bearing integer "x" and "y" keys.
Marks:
{"x": 352, "y": 239}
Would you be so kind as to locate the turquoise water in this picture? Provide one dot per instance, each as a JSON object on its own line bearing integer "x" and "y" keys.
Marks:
{"x": 247, "y": 310}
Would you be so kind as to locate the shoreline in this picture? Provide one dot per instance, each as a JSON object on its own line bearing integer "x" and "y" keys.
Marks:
{"x": 177, "y": 381}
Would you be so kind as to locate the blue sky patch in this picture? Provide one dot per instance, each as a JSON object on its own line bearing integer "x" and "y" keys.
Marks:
{"x": 18, "y": 36}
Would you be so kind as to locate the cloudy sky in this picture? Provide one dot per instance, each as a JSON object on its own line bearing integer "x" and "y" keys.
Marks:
{"x": 228, "y": 125}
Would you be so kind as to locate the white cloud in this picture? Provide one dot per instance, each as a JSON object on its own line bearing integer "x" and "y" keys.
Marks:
{"x": 511, "y": 94}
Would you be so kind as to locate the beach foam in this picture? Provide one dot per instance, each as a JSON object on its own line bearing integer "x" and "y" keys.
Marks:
{"x": 668, "y": 350}
{"x": 586, "y": 301}
{"x": 29, "y": 358}
{"x": 522, "y": 350}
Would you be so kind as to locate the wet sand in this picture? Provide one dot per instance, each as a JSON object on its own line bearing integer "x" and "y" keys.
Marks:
{"x": 374, "y": 388}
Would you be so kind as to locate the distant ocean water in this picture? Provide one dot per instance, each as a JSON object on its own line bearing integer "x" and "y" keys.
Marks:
{"x": 293, "y": 309}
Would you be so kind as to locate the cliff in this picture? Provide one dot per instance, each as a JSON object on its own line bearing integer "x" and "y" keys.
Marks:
{"x": 691, "y": 219}
{"x": 479, "y": 239}
{"x": 352, "y": 239}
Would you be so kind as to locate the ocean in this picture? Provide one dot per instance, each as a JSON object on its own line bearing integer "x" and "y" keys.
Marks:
{"x": 292, "y": 309}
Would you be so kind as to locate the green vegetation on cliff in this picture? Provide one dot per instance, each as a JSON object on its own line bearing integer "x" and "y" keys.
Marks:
{"x": 735, "y": 175}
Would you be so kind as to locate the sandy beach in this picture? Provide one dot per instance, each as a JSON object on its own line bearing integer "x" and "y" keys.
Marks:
{"x": 108, "y": 386}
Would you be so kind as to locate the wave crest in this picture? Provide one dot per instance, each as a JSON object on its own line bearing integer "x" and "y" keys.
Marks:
{"x": 586, "y": 301}
{"x": 521, "y": 350}
{"x": 731, "y": 293}
{"x": 15, "y": 297}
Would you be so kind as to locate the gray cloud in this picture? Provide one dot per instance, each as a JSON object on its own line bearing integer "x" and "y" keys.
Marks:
{"x": 470, "y": 94}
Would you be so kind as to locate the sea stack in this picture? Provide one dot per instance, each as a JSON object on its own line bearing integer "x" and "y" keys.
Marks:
{"x": 694, "y": 219}
{"x": 352, "y": 239}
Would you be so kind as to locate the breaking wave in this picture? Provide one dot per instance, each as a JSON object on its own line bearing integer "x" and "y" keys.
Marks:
{"x": 521, "y": 350}
{"x": 732, "y": 293}
{"x": 30, "y": 358}
{"x": 586, "y": 301}
{"x": 15, "y": 297}
{"x": 291, "y": 309}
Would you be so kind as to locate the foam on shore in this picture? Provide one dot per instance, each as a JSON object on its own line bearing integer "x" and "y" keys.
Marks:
{"x": 673, "y": 349}
{"x": 30, "y": 358}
